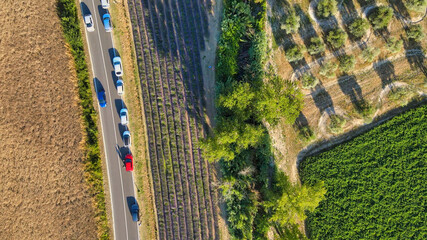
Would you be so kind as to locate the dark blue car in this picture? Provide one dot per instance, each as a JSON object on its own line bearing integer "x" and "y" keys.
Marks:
{"x": 101, "y": 99}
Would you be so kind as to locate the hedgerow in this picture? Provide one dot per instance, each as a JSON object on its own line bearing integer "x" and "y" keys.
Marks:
{"x": 375, "y": 183}
{"x": 67, "y": 12}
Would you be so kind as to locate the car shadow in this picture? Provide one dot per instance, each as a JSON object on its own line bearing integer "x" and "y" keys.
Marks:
{"x": 119, "y": 105}
{"x": 122, "y": 152}
{"x": 98, "y": 85}
{"x": 101, "y": 13}
{"x": 115, "y": 78}
{"x": 113, "y": 53}
{"x": 84, "y": 8}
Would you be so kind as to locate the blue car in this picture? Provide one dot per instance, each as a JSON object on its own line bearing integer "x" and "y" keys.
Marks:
{"x": 107, "y": 22}
{"x": 101, "y": 99}
{"x": 134, "y": 209}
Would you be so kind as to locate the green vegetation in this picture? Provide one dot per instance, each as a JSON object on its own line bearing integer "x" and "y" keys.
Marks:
{"x": 365, "y": 109}
{"x": 369, "y": 54}
{"x": 415, "y": 32}
{"x": 375, "y": 183}
{"x": 380, "y": 17}
{"x": 328, "y": 69}
{"x": 67, "y": 12}
{"x": 347, "y": 63}
{"x": 358, "y": 27}
{"x": 248, "y": 94}
{"x": 416, "y": 5}
{"x": 394, "y": 45}
{"x": 337, "y": 123}
{"x": 292, "y": 22}
{"x": 336, "y": 38}
{"x": 316, "y": 46}
{"x": 326, "y": 8}
{"x": 294, "y": 53}
{"x": 309, "y": 81}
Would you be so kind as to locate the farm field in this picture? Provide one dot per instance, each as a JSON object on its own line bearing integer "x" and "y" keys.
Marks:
{"x": 375, "y": 183}
{"x": 43, "y": 192}
{"x": 341, "y": 100}
{"x": 168, "y": 38}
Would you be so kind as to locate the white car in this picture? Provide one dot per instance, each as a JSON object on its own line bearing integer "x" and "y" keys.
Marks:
{"x": 89, "y": 23}
{"x": 118, "y": 69}
{"x": 124, "y": 116}
{"x": 105, "y": 4}
{"x": 126, "y": 139}
{"x": 120, "y": 88}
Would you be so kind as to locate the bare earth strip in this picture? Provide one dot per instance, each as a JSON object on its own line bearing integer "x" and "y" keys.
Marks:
{"x": 43, "y": 194}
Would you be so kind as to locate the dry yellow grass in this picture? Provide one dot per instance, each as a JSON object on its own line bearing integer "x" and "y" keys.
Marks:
{"x": 43, "y": 193}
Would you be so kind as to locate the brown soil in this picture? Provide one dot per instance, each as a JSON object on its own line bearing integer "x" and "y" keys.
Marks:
{"x": 43, "y": 193}
{"x": 123, "y": 42}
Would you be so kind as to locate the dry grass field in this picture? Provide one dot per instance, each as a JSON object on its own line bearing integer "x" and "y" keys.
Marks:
{"x": 43, "y": 193}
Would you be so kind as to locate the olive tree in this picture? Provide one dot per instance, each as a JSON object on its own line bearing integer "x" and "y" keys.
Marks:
{"x": 294, "y": 53}
{"x": 326, "y": 8}
{"x": 380, "y": 17}
{"x": 394, "y": 45}
{"x": 416, "y": 5}
{"x": 316, "y": 46}
{"x": 358, "y": 27}
{"x": 415, "y": 32}
{"x": 292, "y": 22}
{"x": 369, "y": 54}
{"x": 328, "y": 69}
{"x": 336, "y": 37}
{"x": 347, "y": 63}
{"x": 309, "y": 81}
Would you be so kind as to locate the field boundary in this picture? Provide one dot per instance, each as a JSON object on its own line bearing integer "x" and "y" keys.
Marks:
{"x": 67, "y": 12}
{"x": 325, "y": 145}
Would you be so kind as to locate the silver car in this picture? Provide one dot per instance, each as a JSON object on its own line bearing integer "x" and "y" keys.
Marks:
{"x": 105, "y": 4}
{"x": 89, "y": 23}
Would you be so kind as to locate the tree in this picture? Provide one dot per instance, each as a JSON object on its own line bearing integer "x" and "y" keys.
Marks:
{"x": 316, "y": 46}
{"x": 359, "y": 27}
{"x": 337, "y": 123}
{"x": 370, "y": 53}
{"x": 292, "y": 22}
{"x": 380, "y": 17}
{"x": 416, "y": 5}
{"x": 394, "y": 45}
{"x": 336, "y": 37}
{"x": 326, "y": 8}
{"x": 328, "y": 69}
{"x": 415, "y": 32}
{"x": 347, "y": 63}
{"x": 309, "y": 81}
{"x": 294, "y": 53}
{"x": 279, "y": 98}
{"x": 238, "y": 99}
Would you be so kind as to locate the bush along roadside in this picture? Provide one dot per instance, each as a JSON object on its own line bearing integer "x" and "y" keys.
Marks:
{"x": 67, "y": 12}
{"x": 258, "y": 197}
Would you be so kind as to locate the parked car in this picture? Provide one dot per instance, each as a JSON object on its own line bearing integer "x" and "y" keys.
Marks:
{"x": 134, "y": 209}
{"x": 107, "y": 22}
{"x": 124, "y": 119}
{"x": 126, "y": 139}
{"x": 89, "y": 23}
{"x": 129, "y": 162}
{"x": 117, "y": 63}
{"x": 105, "y": 4}
{"x": 120, "y": 88}
{"x": 101, "y": 99}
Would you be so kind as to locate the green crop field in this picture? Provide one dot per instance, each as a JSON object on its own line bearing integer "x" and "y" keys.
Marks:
{"x": 376, "y": 183}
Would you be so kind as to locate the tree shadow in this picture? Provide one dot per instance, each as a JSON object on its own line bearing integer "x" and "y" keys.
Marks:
{"x": 385, "y": 70}
{"x": 351, "y": 88}
{"x": 414, "y": 55}
{"x": 348, "y": 11}
{"x": 322, "y": 99}
{"x": 400, "y": 11}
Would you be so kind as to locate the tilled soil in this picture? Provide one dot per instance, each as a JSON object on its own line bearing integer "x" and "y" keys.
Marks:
{"x": 43, "y": 193}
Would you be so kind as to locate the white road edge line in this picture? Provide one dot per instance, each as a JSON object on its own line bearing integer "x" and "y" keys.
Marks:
{"x": 115, "y": 131}
{"x": 133, "y": 182}
{"x": 102, "y": 126}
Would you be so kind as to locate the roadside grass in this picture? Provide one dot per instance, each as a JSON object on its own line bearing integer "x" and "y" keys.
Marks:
{"x": 123, "y": 42}
{"x": 67, "y": 12}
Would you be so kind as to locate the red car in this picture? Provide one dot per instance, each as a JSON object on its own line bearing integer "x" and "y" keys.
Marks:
{"x": 129, "y": 162}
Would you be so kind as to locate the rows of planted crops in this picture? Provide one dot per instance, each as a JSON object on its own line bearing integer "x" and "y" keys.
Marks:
{"x": 168, "y": 36}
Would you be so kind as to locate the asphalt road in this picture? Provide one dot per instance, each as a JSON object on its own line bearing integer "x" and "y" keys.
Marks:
{"x": 122, "y": 191}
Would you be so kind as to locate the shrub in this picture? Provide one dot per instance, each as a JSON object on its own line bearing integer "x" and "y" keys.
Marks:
{"x": 394, "y": 45}
{"x": 416, "y": 5}
{"x": 347, "y": 63}
{"x": 326, "y": 8}
{"x": 294, "y": 53}
{"x": 309, "y": 81}
{"x": 316, "y": 46}
{"x": 292, "y": 22}
{"x": 380, "y": 17}
{"x": 336, "y": 37}
{"x": 415, "y": 32}
{"x": 365, "y": 109}
{"x": 370, "y": 53}
{"x": 359, "y": 27}
{"x": 328, "y": 69}
{"x": 337, "y": 123}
